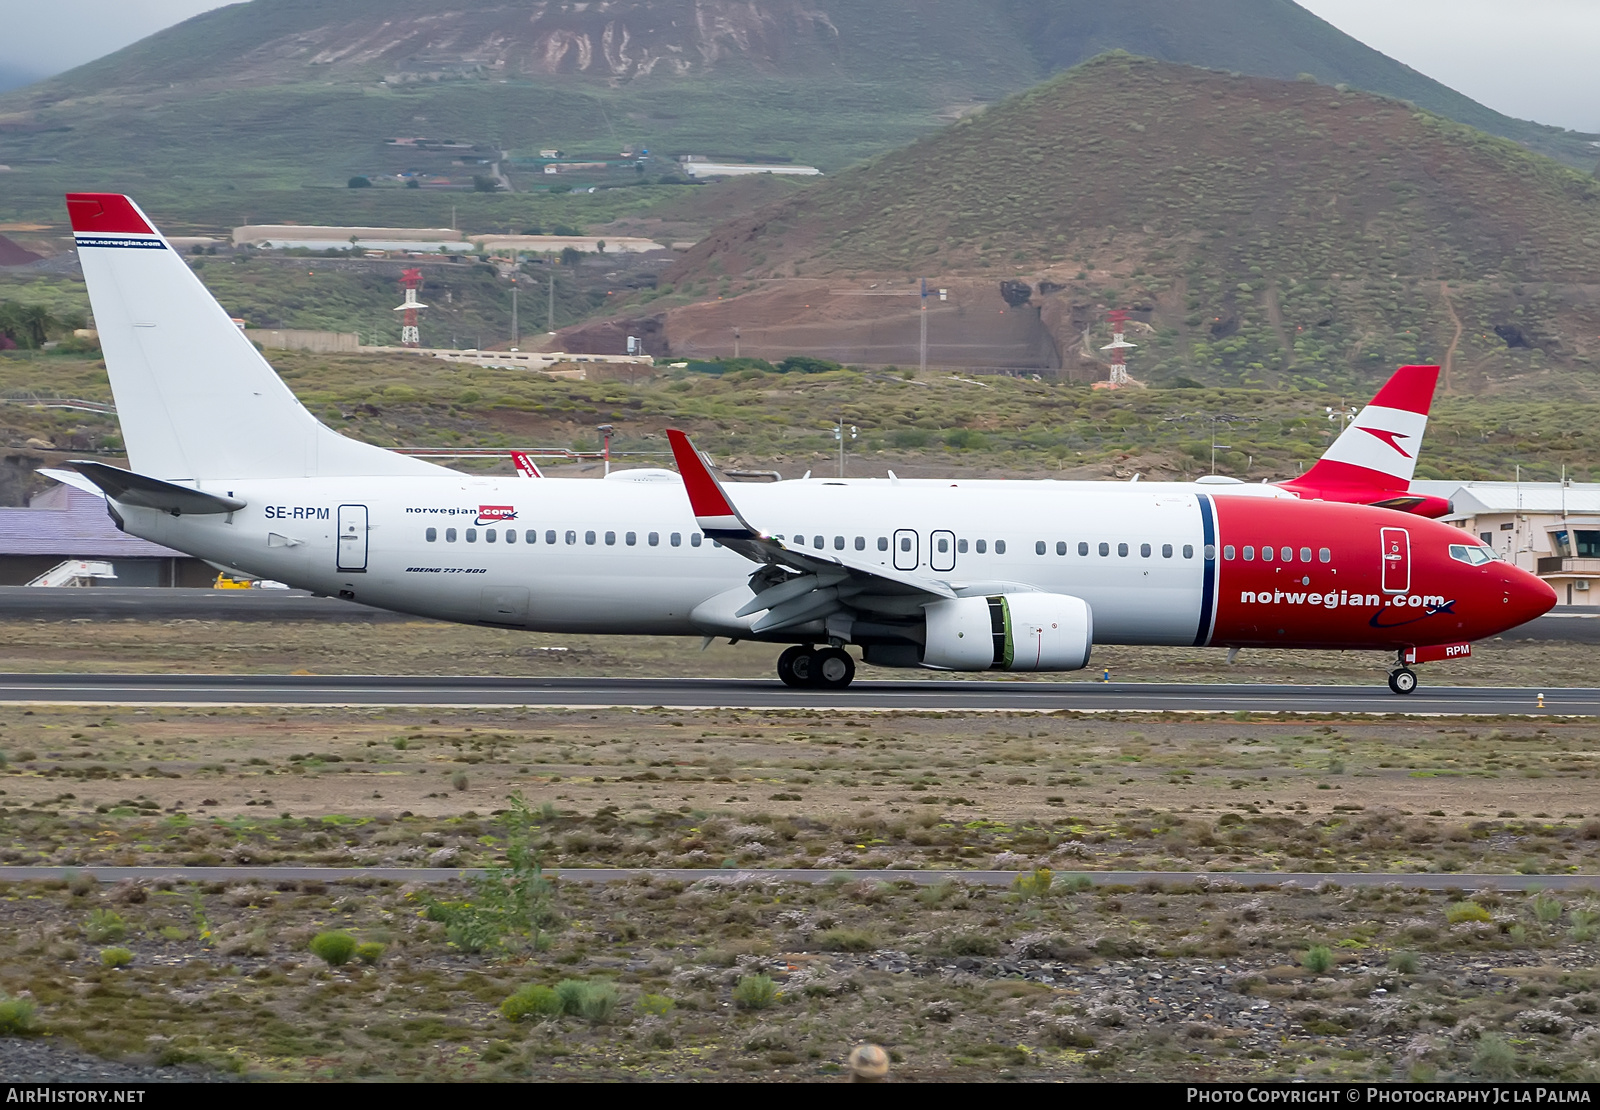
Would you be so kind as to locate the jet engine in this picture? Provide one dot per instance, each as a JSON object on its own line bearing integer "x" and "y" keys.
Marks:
{"x": 1010, "y": 632}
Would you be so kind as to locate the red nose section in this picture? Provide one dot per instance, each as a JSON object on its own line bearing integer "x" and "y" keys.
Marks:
{"x": 1526, "y": 597}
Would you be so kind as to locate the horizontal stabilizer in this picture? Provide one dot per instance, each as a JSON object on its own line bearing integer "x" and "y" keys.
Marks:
{"x": 71, "y": 478}
{"x": 128, "y": 488}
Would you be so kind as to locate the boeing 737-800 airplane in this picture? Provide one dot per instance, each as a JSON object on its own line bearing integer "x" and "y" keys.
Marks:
{"x": 1025, "y": 576}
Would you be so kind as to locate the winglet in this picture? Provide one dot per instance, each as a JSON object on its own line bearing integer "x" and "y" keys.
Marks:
{"x": 712, "y": 510}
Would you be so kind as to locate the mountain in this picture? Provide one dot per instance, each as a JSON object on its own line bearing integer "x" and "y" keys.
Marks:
{"x": 278, "y": 94}
{"x": 1265, "y": 232}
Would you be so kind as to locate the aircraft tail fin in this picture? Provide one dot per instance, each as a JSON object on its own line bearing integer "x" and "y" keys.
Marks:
{"x": 195, "y": 398}
{"x": 1374, "y": 458}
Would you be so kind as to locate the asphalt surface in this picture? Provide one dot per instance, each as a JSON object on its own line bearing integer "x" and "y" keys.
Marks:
{"x": 1413, "y": 880}
{"x": 707, "y": 693}
{"x": 1573, "y": 623}
{"x": 116, "y": 603}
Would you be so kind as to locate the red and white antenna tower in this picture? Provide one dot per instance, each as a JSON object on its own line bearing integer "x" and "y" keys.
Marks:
{"x": 1118, "y": 348}
{"x": 411, "y": 281}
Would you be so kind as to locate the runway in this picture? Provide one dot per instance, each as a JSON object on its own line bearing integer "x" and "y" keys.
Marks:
{"x": 992, "y": 695}
{"x": 271, "y": 873}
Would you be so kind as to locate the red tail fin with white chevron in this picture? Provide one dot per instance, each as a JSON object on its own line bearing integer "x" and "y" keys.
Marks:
{"x": 1373, "y": 460}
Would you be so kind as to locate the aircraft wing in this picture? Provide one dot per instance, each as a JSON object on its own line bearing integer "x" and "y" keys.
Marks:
{"x": 795, "y": 585}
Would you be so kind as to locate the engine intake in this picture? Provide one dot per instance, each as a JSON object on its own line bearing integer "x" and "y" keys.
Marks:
{"x": 1010, "y": 632}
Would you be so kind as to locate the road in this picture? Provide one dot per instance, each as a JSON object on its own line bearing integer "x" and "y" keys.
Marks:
{"x": 707, "y": 693}
{"x": 1410, "y": 880}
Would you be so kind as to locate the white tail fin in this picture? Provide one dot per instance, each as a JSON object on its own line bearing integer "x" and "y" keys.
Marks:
{"x": 195, "y": 398}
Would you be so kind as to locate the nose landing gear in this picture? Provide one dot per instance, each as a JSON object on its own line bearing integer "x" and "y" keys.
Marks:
{"x": 828, "y": 669}
{"x": 1402, "y": 679}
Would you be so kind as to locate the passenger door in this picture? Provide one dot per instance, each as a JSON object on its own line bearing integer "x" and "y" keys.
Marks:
{"x": 1396, "y": 560}
{"x": 942, "y": 550}
{"x": 353, "y": 538}
{"x": 907, "y": 555}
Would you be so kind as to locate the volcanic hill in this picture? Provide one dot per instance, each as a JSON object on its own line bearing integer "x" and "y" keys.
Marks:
{"x": 285, "y": 93}
{"x": 1265, "y": 232}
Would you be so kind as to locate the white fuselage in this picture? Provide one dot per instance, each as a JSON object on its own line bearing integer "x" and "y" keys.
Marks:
{"x": 627, "y": 557}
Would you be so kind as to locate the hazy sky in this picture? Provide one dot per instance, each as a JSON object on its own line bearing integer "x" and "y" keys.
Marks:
{"x": 1533, "y": 59}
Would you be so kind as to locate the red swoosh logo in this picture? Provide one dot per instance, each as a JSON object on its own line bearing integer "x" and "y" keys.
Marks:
{"x": 1389, "y": 438}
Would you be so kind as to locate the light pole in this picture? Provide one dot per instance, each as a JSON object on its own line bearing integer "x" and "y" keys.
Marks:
{"x": 839, "y": 431}
{"x": 605, "y": 431}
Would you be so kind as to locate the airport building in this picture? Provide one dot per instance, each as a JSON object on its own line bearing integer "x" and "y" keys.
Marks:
{"x": 64, "y": 523}
{"x": 1549, "y": 528}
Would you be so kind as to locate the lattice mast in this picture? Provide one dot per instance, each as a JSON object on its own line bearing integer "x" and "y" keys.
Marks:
{"x": 1119, "y": 347}
{"x": 410, "y": 281}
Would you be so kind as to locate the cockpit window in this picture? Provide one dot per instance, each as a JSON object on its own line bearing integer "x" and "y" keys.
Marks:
{"x": 1471, "y": 554}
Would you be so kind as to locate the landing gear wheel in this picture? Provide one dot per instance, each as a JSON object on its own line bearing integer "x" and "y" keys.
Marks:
{"x": 1403, "y": 681}
{"x": 796, "y": 666}
{"x": 832, "y": 669}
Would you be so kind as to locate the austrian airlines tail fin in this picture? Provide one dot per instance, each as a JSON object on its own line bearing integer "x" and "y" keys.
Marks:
{"x": 195, "y": 398}
{"x": 1374, "y": 458}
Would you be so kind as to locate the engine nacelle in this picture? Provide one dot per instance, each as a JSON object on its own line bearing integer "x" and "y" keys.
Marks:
{"x": 1011, "y": 632}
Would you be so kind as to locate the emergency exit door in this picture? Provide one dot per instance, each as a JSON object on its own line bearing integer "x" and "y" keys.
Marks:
{"x": 1396, "y": 560}
{"x": 907, "y": 551}
{"x": 353, "y": 538}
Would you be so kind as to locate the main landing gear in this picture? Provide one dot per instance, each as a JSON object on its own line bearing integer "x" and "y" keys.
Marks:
{"x": 1402, "y": 680}
{"x": 827, "y": 668}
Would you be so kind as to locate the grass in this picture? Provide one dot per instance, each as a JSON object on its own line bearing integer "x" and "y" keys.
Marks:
{"x": 1317, "y": 959}
{"x": 333, "y": 948}
{"x": 1466, "y": 913}
{"x": 755, "y": 992}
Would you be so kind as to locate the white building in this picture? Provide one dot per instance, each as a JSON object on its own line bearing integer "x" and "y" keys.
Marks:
{"x": 739, "y": 169}
{"x": 1548, "y": 528}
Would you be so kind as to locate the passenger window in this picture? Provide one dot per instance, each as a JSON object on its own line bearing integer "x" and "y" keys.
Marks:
{"x": 511, "y": 535}
{"x": 677, "y": 539}
{"x": 1188, "y": 551}
{"x": 654, "y": 539}
{"x": 611, "y": 539}
{"x": 572, "y": 537}
{"x": 1266, "y": 554}
{"x": 533, "y": 537}
{"x": 694, "y": 539}
{"x": 1210, "y": 552}
{"x": 961, "y": 547}
{"x": 1249, "y": 553}
{"x": 1144, "y": 551}
{"x": 1305, "y": 554}
{"x": 861, "y": 543}
{"x": 1061, "y": 547}
{"x": 1122, "y": 550}
{"x": 905, "y": 543}
{"x": 883, "y": 543}
{"x": 488, "y": 535}
{"x": 631, "y": 539}
{"x": 431, "y": 535}
{"x": 550, "y": 536}
{"x": 999, "y": 547}
{"x": 588, "y": 538}
{"x": 1227, "y": 552}
{"x": 1105, "y": 549}
{"x": 449, "y": 535}
{"x": 472, "y": 535}
{"x": 838, "y": 543}
{"x": 1038, "y": 547}
{"x": 983, "y": 547}
{"x": 1083, "y": 548}
{"x": 1287, "y": 554}
{"x": 944, "y": 545}
{"x": 1166, "y": 551}
{"x": 1324, "y": 555}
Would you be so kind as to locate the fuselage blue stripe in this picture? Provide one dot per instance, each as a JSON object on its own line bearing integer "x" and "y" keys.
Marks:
{"x": 119, "y": 241}
{"x": 1208, "y": 587}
